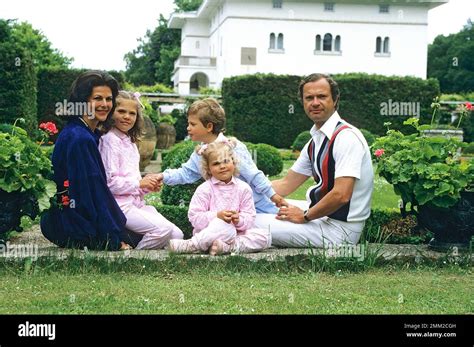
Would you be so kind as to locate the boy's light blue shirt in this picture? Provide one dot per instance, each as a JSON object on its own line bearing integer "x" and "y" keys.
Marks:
{"x": 261, "y": 186}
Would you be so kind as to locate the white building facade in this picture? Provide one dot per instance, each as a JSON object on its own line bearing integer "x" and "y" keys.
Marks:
{"x": 225, "y": 38}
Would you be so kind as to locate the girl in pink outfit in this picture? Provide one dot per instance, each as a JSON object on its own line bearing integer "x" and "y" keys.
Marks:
{"x": 222, "y": 211}
{"x": 121, "y": 161}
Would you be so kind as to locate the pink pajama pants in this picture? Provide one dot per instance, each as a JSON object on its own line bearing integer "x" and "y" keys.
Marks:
{"x": 248, "y": 241}
{"x": 155, "y": 228}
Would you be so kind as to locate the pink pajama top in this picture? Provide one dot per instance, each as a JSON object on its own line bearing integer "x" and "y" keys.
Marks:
{"x": 213, "y": 196}
{"x": 121, "y": 162}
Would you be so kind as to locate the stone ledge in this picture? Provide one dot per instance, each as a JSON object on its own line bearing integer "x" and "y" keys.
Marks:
{"x": 33, "y": 237}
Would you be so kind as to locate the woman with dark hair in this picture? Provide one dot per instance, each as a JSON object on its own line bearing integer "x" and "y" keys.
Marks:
{"x": 87, "y": 214}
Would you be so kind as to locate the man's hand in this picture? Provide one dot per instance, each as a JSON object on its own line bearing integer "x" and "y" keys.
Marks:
{"x": 279, "y": 201}
{"x": 291, "y": 214}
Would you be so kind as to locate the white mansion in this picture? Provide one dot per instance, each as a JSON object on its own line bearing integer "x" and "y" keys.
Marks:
{"x": 226, "y": 38}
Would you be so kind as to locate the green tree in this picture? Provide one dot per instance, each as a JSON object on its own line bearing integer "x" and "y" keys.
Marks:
{"x": 450, "y": 60}
{"x": 18, "y": 81}
{"x": 37, "y": 44}
{"x": 153, "y": 60}
{"x": 187, "y": 5}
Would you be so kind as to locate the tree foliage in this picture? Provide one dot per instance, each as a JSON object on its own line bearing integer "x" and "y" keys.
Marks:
{"x": 450, "y": 60}
{"x": 153, "y": 60}
{"x": 187, "y": 5}
{"x": 38, "y": 45}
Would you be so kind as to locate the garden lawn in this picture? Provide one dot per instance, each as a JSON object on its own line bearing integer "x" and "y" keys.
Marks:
{"x": 382, "y": 197}
{"x": 422, "y": 290}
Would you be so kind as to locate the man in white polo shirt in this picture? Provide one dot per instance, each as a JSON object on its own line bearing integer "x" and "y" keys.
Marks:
{"x": 338, "y": 158}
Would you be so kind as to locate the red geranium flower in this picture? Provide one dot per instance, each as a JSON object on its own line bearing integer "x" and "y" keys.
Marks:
{"x": 469, "y": 106}
{"x": 379, "y": 152}
{"x": 66, "y": 183}
{"x": 49, "y": 127}
{"x": 65, "y": 200}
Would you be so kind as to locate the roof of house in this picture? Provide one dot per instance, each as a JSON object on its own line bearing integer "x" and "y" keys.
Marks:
{"x": 208, "y": 7}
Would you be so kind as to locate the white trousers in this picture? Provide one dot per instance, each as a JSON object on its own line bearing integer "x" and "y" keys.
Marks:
{"x": 155, "y": 228}
{"x": 248, "y": 241}
{"x": 316, "y": 233}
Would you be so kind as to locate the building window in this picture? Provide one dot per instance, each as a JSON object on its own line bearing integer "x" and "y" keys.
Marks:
{"x": 276, "y": 43}
{"x": 386, "y": 45}
{"x": 337, "y": 44}
{"x": 382, "y": 47}
{"x": 272, "y": 41}
{"x": 327, "y": 43}
{"x": 378, "y": 45}
{"x": 280, "y": 42}
{"x": 318, "y": 42}
{"x": 329, "y": 6}
{"x": 277, "y": 3}
{"x": 384, "y": 8}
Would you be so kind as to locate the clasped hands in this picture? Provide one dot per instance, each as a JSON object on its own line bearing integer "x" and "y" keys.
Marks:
{"x": 229, "y": 216}
{"x": 152, "y": 182}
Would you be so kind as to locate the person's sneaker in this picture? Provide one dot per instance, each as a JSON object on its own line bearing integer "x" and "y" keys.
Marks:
{"x": 220, "y": 247}
{"x": 182, "y": 246}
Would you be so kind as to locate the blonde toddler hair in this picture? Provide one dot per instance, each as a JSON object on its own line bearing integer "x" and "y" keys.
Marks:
{"x": 223, "y": 148}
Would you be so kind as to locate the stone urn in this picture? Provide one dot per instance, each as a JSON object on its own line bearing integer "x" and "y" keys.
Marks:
{"x": 166, "y": 135}
{"x": 452, "y": 227}
{"x": 147, "y": 145}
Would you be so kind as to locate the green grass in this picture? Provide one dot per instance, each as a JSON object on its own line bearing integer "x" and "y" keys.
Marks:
{"x": 205, "y": 287}
{"x": 382, "y": 197}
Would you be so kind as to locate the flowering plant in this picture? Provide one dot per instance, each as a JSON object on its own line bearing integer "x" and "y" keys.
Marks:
{"x": 24, "y": 170}
{"x": 423, "y": 170}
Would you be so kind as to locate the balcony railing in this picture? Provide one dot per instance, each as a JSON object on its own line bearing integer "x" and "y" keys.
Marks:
{"x": 195, "y": 61}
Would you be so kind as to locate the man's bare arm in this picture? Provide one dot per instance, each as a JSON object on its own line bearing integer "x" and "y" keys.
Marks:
{"x": 288, "y": 184}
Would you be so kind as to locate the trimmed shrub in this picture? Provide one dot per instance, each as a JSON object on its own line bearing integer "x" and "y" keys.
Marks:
{"x": 388, "y": 226}
{"x": 178, "y": 154}
{"x": 181, "y": 124}
{"x": 369, "y": 137}
{"x": 179, "y": 195}
{"x": 177, "y": 215}
{"x": 265, "y": 108}
{"x": 267, "y": 158}
{"x": 18, "y": 82}
{"x": 364, "y": 98}
{"x": 301, "y": 140}
{"x": 54, "y": 86}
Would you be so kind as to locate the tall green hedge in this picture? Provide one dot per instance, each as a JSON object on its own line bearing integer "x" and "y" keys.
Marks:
{"x": 18, "y": 82}
{"x": 264, "y": 108}
{"x": 363, "y": 94}
{"x": 54, "y": 86}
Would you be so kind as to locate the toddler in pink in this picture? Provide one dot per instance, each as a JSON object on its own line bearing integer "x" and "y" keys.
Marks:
{"x": 222, "y": 210}
{"x": 121, "y": 159}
